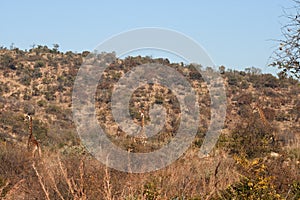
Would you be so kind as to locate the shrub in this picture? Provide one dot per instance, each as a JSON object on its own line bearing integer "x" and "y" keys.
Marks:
{"x": 41, "y": 103}
{"x": 53, "y": 109}
{"x": 25, "y": 79}
{"x": 5, "y": 61}
{"x": 252, "y": 139}
{"x": 29, "y": 109}
{"x": 295, "y": 190}
{"x": 255, "y": 183}
{"x": 232, "y": 80}
{"x": 37, "y": 73}
{"x": 27, "y": 96}
{"x": 244, "y": 85}
{"x": 49, "y": 95}
{"x": 40, "y": 130}
{"x": 150, "y": 191}
{"x": 39, "y": 64}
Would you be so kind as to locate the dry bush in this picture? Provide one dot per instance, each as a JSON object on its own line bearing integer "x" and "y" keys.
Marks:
{"x": 24, "y": 177}
{"x": 58, "y": 180}
{"x": 188, "y": 177}
{"x": 16, "y": 173}
{"x": 252, "y": 138}
{"x": 74, "y": 176}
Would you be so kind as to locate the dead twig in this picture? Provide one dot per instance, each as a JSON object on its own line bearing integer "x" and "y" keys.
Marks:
{"x": 41, "y": 182}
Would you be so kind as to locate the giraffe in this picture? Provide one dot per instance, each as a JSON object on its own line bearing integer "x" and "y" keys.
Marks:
{"x": 143, "y": 119}
{"x": 3, "y": 141}
{"x": 264, "y": 120}
{"x": 32, "y": 143}
{"x": 142, "y": 135}
{"x": 262, "y": 115}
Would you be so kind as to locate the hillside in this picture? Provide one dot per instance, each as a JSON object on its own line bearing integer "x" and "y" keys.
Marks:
{"x": 257, "y": 154}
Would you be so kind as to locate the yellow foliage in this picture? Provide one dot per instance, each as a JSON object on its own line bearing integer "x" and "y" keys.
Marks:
{"x": 255, "y": 182}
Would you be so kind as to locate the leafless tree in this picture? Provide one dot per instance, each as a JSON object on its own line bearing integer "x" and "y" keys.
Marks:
{"x": 287, "y": 56}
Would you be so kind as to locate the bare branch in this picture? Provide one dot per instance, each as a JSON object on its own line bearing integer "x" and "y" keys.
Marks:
{"x": 41, "y": 182}
{"x": 287, "y": 56}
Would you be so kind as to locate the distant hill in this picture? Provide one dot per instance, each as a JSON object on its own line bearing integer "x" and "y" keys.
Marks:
{"x": 40, "y": 82}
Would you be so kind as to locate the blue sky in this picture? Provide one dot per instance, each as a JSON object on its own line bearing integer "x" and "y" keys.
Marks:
{"x": 236, "y": 34}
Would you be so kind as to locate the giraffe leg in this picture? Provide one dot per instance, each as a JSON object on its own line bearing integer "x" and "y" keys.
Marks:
{"x": 40, "y": 151}
{"x": 33, "y": 151}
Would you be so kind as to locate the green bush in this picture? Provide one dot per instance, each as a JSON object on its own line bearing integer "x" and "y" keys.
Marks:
{"x": 41, "y": 103}
{"x": 232, "y": 79}
{"x": 39, "y": 64}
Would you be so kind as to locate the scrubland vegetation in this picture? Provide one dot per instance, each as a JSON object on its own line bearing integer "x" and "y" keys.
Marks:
{"x": 253, "y": 159}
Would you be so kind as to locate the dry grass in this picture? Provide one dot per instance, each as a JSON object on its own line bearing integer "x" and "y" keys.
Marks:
{"x": 55, "y": 176}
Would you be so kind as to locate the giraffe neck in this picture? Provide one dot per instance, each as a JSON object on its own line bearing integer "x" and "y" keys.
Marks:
{"x": 143, "y": 120}
{"x": 262, "y": 116}
{"x": 30, "y": 128}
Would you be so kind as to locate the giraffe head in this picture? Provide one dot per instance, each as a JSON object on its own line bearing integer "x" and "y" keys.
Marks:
{"x": 141, "y": 113}
{"x": 27, "y": 117}
{"x": 254, "y": 106}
